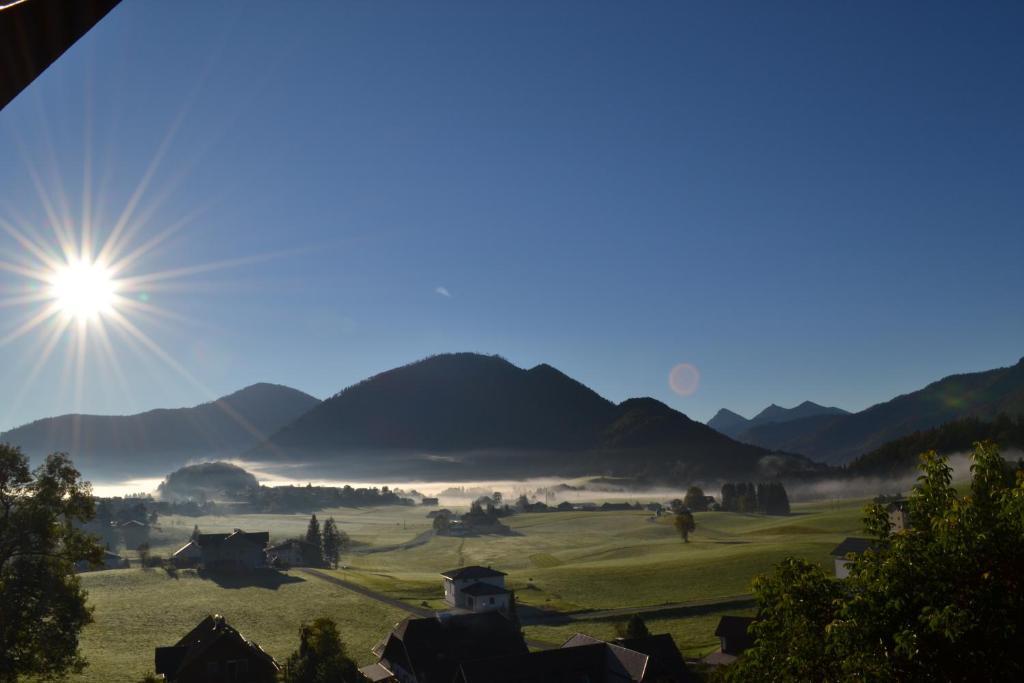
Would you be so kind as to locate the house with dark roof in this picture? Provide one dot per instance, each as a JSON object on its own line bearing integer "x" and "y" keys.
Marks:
{"x": 899, "y": 514}
{"x": 214, "y": 652}
{"x": 844, "y": 553}
{"x": 584, "y": 658}
{"x": 734, "y": 635}
{"x": 238, "y": 551}
{"x": 477, "y": 589}
{"x": 431, "y": 649}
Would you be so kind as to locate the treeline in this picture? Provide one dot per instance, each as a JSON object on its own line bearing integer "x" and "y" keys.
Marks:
{"x": 901, "y": 455}
{"x": 767, "y": 498}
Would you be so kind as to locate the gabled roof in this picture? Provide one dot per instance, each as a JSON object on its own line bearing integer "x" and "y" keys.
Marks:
{"x": 260, "y": 538}
{"x": 596, "y": 663}
{"x": 663, "y": 661}
{"x": 434, "y": 646}
{"x": 478, "y": 589}
{"x": 855, "y": 546}
{"x": 213, "y": 629}
{"x": 471, "y": 572}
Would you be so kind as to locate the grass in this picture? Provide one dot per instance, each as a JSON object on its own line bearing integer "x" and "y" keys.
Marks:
{"x": 566, "y": 561}
{"x": 136, "y": 611}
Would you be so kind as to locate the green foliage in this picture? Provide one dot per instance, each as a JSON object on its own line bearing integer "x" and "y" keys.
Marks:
{"x": 685, "y": 524}
{"x": 335, "y": 542}
{"x": 772, "y": 498}
{"x": 633, "y": 628}
{"x": 313, "y": 534}
{"x": 939, "y": 601}
{"x": 767, "y": 498}
{"x": 42, "y": 604}
{"x": 321, "y": 656}
{"x": 694, "y": 499}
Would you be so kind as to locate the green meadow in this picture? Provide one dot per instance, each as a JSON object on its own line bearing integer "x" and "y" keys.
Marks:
{"x": 575, "y": 562}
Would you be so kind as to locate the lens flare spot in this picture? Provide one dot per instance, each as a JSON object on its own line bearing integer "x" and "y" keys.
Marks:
{"x": 684, "y": 379}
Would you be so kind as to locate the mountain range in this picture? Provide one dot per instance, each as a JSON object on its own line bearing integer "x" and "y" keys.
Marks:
{"x": 467, "y": 415}
{"x": 735, "y": 425}
{"x": 156, "y": 440}
{"x": 839, "y": 438}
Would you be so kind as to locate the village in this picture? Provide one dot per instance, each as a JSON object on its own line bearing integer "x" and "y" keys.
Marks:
{"x": 478, "y": 633}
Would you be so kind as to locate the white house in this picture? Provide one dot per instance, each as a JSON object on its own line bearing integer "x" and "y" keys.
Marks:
{"x": 844, "y": 553}
{"x": 477, "y": 589}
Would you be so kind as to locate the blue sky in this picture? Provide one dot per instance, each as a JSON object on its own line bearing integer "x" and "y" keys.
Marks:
{"x": 804, "y": 202}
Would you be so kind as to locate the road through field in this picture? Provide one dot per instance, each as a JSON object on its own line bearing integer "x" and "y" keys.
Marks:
{"x": 534, "y": 617}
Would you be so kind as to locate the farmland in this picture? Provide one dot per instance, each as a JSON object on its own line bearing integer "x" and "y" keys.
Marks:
{"x": 564, "y": 562}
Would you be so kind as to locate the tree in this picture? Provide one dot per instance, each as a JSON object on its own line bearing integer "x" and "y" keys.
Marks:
{"x": 633, "y": 628}
{"x": 941, "y": 600}
{"x": 728, "y": 497}
{"x": 694, "y": 499}
{"x": 335, "y": 542}
{"x": 685, "y": 525}
{"x": 313, "y": 534}
{"x": 42, "y": 605}
{"x": 676, "y": 504}
{"x": 321, "y": 656}
{"x": 441, "y": 523}
{"x": 195, "y": 533}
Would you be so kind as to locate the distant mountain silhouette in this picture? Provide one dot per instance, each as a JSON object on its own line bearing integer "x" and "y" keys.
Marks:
{"x": 840, "y": 438}
{"x": 735, "y": 425}
{"x": 470, "y": 416}
{"x": 159, "y": 440}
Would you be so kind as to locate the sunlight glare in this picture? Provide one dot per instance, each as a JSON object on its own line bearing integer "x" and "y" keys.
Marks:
{"x": 83, "y": 289}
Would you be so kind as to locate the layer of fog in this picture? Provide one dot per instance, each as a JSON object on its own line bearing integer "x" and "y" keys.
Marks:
{"x": 554, "y": 490}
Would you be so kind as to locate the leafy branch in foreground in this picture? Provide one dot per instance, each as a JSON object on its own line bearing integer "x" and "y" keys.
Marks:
{"x": 942, "y": 600}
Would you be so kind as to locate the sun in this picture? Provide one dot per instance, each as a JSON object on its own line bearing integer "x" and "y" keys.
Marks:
{"x": 83, "y": 289}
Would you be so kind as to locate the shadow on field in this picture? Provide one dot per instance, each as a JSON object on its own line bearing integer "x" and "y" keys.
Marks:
{"x": 259, "y": 578}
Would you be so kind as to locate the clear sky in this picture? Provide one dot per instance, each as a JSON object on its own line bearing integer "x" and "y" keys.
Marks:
{"x": 804, "y": 200}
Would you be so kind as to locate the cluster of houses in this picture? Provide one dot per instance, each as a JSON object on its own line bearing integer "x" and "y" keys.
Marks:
{"x": 242, "y": 551}
{"x": 477, "y": 640}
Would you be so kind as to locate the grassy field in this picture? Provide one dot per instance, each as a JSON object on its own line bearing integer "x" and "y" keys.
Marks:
{"x": 565, "y": 561}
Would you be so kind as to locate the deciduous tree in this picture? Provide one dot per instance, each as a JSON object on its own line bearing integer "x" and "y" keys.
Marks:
{"x": 685, "y": 524}
{"x": 321, "y": 656}
{"x": 42, "y": 605}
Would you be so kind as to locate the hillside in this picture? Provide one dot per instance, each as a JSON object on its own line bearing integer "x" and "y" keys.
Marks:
{"x": 158, "y": 440}
{"x": 839, "y": 438}
{"x": 735, "y": 425}
{"x": 470, "y": 416}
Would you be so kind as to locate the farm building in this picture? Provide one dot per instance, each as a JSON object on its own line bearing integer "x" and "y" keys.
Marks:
{"x": 842, "y": 554}
{"x": 429, "y": 501}
{"x": 734, "y": 635}
{"x": 432, "y": 648}
{"x": 478, "y": 589}
{"x": 237, "y": 551}
{"x": 294, "y": 553}
{"x": 583, "y": 658}
{"x": 188, "y": 555}
{"x": 133, "y": 533}
{"x": 214, "y": 651}
{"x": 110, "y": 561}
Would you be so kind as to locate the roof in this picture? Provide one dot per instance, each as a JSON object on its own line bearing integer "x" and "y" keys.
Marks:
{"x": 471, "y": 572}
{"x": 34, "y": 33}
{"x": 260, "y": 538}
{"x": 213, "y": 629}
{"x": 596, "y": 662}
{"x": 376, "y": 672}
{"x": 478, "y": 589}
{"x": 855, "y": 546}
{"x": 434, "y": 646}
{"x": 664, "y": 662}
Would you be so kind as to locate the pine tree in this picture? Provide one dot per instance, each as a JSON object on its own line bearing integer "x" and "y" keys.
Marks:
{"x": 195, "y": 533}
{"x": 313, "y": 535}
{"x": 334, "y": 542}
